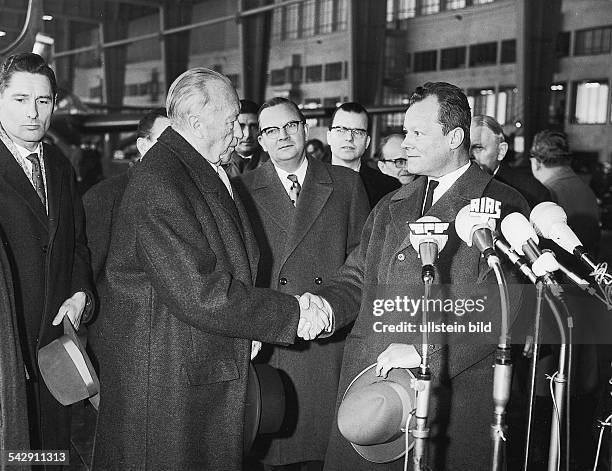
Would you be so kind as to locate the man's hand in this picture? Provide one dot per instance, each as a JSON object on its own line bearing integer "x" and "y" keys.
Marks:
{"x": 397, "y": 355}
{"x": 314, "y": 317}
{"x": 73, "y": 308}
{"x": 255, "y": 348}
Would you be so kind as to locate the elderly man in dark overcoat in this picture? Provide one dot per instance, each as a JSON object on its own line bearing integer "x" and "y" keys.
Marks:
{"x": 437, "y": 125}
{"x": 178, "y": 306}
{"x": 42, "y": 228}
{"x": 303, "y": 241}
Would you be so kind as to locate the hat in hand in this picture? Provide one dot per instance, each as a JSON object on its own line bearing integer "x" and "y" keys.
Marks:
{"x": 376, "y": 411}
{"x": 265, "y": 404}
{"x": 67, "y": 370}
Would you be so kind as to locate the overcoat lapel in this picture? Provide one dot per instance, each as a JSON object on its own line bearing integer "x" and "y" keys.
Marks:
{"x": 55, "y": 182}
{"x": 315, "y": 192}
{"x": 270, "y": 195}
{"x": 15, "y": 178}
{"x": 405, "y": 207}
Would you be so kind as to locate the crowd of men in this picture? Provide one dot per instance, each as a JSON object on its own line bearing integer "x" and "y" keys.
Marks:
{"x": 232, "y": 239}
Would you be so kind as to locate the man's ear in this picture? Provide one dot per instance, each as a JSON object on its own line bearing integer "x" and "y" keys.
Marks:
{"x": 367, "y": 141}
{"x": 196, "y": 125}
{"x": 502, "y": 150}
{"x": 142, "y": 145}
{"x": 261, "y": 143}
{"x": 455, "y": 138}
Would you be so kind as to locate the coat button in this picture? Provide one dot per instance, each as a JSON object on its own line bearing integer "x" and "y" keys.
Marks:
{"x": 401, "y": 257}
{"x": 283, "y": 281}
{"x": 318, "y": 280}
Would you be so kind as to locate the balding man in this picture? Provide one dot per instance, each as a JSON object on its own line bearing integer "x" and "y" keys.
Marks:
{"x": 489, "y": 148}
{"x": 180, "y": 311}
{"x": 392, "y": 159}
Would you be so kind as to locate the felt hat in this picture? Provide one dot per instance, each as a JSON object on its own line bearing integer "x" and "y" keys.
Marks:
{"x": 374, "y": 414}
{"x": 67, "y": 370}
{"x": 265, "y": 405}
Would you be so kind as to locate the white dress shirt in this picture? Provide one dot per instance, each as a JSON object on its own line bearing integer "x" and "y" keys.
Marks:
{"x": 300, "y": 173}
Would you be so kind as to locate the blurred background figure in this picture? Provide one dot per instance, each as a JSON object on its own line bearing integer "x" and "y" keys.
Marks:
{"x": 102, "y": 201}
{"x": 316, "y": 150}
{"x": 248, "y": 154}
{"x": 392, "y": 158}
{"x": 489, "y": 149}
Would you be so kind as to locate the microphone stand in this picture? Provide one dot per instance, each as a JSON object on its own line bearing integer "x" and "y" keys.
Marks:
{"x": 542, "y": 265}
{"x": 428, "y": 252}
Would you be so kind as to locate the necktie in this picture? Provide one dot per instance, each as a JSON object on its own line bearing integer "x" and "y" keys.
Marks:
{"x": 429, "y": 198}
{"x": 225, "y": 179}
{"x": 295, "y": 189}
{"x": 39, "y": 184}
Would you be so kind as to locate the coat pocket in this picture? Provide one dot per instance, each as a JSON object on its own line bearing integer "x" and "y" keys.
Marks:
{"x": 211, "y": 359}
{"x": 215, "y": 371}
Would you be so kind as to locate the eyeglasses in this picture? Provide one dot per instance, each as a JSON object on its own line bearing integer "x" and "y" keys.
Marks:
{"x": 273, "y": 131}
{"x": 345, "y": 132}
{"x": 399, "y": 163}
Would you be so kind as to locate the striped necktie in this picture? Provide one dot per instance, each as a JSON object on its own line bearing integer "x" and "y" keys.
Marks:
{"x": 37, "y": 178}
{"x": 295, "y": 189}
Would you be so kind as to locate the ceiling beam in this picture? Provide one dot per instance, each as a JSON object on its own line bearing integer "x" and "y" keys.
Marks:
{"x": 143, "y": 3}
{"x": 57, "y": 14}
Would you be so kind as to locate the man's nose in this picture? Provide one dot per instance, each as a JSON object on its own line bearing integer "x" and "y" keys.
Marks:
{"x": 32, "y": 111}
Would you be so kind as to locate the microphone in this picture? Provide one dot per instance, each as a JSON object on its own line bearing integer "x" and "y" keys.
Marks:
{"x": 523, "y": 239}
{"x": 550, "y": 221}
{"x": 518, "y": 261}
{"x": 476, "y": 229}
{"x": 428, "y": 237}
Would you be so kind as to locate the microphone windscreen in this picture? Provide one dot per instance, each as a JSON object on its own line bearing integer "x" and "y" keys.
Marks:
{"x": 466, "y": 223}
{"x": 517, "y": 231}
{"x": 427, "y": 226}
{"x": 550, "y": 221}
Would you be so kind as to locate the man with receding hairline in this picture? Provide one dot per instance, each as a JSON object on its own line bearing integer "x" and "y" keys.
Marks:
{"x": 180, "y": 312}
{"x": 42, "y": 229}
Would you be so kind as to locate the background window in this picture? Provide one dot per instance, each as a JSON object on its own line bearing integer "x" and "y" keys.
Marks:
{"x": 482, "y": 101}
{"x": 333, "y": 71}
{"x": 593, "y": 41}
{"x": 425, "y": 61}
{"x": 562, "y": 46}
{"x": 452, "y": 58}
{"x": 292, "y": 24}
{"x": 590, "y": 102}
{"x": 326, "y": 16}
{"x": 455, "y": 4}
{"x": 314, "y": 73}
{"x": 429, "y": 7}
{"x": 483, "y": 54}
{"x": 406, "y": 9}
{"x": 277, "y": 76}
{"x": 308, "y": 19}
{"x": 508, "y": 51}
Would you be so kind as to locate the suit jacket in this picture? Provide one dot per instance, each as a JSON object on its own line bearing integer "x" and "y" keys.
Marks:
{"x": 376, "y": 183}
{"x": 239, "y": 165}
{"x": 49, "y": 262}
{"x": 332, "y": 207}
{"x": 178, "y": 312}
{"x": 523, "y": 181}
{"x": 101, "y": 205}
{"x": 385, "y": 265}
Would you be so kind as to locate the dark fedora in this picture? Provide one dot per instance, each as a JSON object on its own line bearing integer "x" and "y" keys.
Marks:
{"x": 374, "y": 414}
{"x": 67, "y": 370}
{"x": 265, "y": 406}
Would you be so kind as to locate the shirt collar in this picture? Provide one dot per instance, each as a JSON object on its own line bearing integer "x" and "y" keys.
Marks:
{"x": 300, "y": 172}
{"x": 25, "y": 152}
{"x": 446, "y": 181}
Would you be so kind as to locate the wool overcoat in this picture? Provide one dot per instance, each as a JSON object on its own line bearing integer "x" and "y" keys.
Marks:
{"x": 49, "y": 262}
{"x": 301, "y": 249}
{"x": 386, "y": 264}
{"x": 178, "y": 312}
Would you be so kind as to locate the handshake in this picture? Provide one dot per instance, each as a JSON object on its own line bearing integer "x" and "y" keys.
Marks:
{"x": 315, "y": 316}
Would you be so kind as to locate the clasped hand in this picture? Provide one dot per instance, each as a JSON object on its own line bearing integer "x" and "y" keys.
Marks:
{"x": 314, "y": 317}
{"x": 397, "y": 355}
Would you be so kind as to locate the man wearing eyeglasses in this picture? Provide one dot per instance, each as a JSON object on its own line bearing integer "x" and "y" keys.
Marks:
{"x": 392, "y": 159}
{"x": 248, "y": 155}
{"x": 307, "y": 216}
{"x": 348, "y": 138}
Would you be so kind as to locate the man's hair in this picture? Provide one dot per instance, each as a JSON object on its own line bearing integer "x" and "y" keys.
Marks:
{"x": 316, "y": 143}
{"x": 191, "y": 91}
{"x": 351, "y": 107}
{"x": 26, "y": 62}
{"x": 454, "y": 107}
{"x": 148, "y": 120}
{"x": 280, "y": 101}
{"x": 248, "y": 107}
{"x": 482, "y": 120}
{"x": 383, "y": 143}
{"x": 551, "y": 148}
